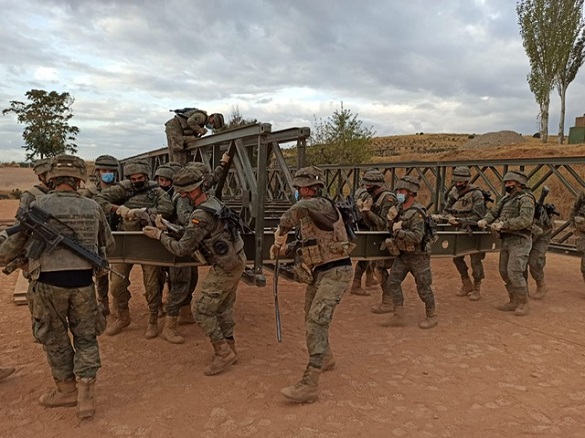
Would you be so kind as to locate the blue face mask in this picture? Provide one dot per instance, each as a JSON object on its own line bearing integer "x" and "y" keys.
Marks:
{"x": 297, "y": 196}
{"x": 108, "y": 178}
{"x": 400, "y": 197}
{"x": 209, "y": 126}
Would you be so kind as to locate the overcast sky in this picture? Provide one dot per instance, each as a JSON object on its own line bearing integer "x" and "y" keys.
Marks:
{"x": 403, "y": 66}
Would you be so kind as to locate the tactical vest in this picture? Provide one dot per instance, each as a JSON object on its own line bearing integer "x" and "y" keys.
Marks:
{"x": 510, "y": 209}
{"x": 408, "y": 217}
{"x": 318, "y": 246}
{"x": 36, "y": 191}
{"x": 383, "y": 196}
{"x": 463, "y": 205}
{"x": 145, "y": 198}
{"x": 182, "y": 118}
{"x": 218, "y": 247}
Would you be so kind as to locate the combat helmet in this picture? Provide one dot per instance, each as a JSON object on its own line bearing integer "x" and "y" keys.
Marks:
{"x": 106, "y": 162}
{"x": 218, "y": 121}
{"x": 373, "y": 177}
{"x": 201, "y": 167}
{"x": 516, "y": 175}
{"x": 188, "y": 179}
{"x": 42, "y": 166}
{"x": 136, "y": 166}
{"x": 409, "y": 183}
{"x": 461, "y": 173}
{"x": 309, "y": 176}
{"x": 165, "y": 171}
{"x": 174, "y": 165}
{"x": 67, "y": 165}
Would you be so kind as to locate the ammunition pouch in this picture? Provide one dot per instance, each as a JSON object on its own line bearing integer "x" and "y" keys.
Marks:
{"x": 391, "y": 246}
{"x": 310, "y": 252}
{"x": 404, "y": 246}
{"x": 302, "y": 273}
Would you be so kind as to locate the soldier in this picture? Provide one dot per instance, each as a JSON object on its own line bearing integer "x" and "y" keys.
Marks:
{"x": 512, "y": 218}
{"x": 577, "y": 219}
{"x": 362, "y": 267}
{"x": 466, "y": 202}
{"x": 40, "y": 168}
{"x": 325, "y": 249}
{"x": 223, "y": 248}
{"x": 409, "y": 236}
{"x": 374, "y": 212}
{"x": 132, "y": 199}
{"x": 64, "y": 294}
{"x": 164, "y": 178}
{"x": 187, "y": 125}
{"x": 106, "y": 171}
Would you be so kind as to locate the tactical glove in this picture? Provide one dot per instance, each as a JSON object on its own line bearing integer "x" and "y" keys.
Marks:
{"x": 152, "y": 232}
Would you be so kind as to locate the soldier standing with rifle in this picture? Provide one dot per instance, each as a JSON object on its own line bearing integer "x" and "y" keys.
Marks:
{"x": 325, "y": 249}
{"x": 64, "y": 298}
{"x": 512, "y": 218}
{"x": 363, "y": 266}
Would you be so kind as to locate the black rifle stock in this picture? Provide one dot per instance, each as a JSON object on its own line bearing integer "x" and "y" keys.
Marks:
{"x": 275, "y": 293}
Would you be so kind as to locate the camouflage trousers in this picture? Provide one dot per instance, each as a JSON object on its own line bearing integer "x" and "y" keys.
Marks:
{"x": 183, "y": 282}
{"x": 321, "y": 299}
{"x": 215, "y": 298}
{"x": 382, "y": 272}
{"x": 175, "y": 143}
{"x": 58, "y": 311}
{"x": 419, "y": 265}
{"x": 476, "y": 266}
{"x": 361, "y": 268}
{"x": 102, "y": 287}
{"x": 537, "y": 256}
{"x": 119, "y": 286}
{"x": 513, "y": 263}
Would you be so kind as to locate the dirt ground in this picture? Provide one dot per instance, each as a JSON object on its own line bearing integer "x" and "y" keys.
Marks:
{"x": 480, "y": 372}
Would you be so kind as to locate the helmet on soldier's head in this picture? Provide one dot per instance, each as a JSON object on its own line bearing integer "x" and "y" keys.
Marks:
{"x": 188, "y": 179}
{"x": 106, "y": 162}
{"x": 174, "y": 165}
{"x": 309, "y": 176}
{"x": 201, "y": 167}
{"x": 218, "y": 122}
{"x": 461, "y": 173}
{"x": 42, "y": 166}
{"x": 408, "y": 182}
{"x": 165, "y": 171}
{"x": 67, "y": 165}
{"x": 373, "y": 178}
{"x": 136, "y": 166}
{"x": 516, "y": 175}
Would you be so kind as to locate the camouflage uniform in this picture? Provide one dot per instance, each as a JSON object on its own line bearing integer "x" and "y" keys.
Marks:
{"x": 362, "y": 267}
{"x": 187, "y": 126}
{"x": 155, "y": 201}
{"x": 515, "y": 212}
{"x": 63, "y": 290}
{"x": 468, "y": 204}
{"x": 324, "y": 249}
{"x": 577, "y": 218}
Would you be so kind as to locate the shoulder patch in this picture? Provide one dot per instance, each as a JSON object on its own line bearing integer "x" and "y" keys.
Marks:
{"x": 195, "y": 221}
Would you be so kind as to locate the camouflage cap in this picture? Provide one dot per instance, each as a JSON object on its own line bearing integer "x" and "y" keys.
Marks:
{"x": 218, "y": 121}
{"x": 309, "y": 176}
{"x": 461, "y": 173}
{"x": 188, "y": 179}
{"x": 106, "y": 162}
{"x": 201, "y": 167}
{"x": 134, "y": 167}
{"x": 516, "y": 175}
{"x": 408, "y": 182}
{"x": 67, "y": 165}
{"x": 42, "y": 166}
{"x": 373, "y": 178}
{"x": 165, "y": 171}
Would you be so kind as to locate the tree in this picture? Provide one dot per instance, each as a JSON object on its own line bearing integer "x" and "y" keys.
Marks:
{"x": 572, "y": 54}
{"x": 236, "y": 120}
{"x": 46, "y": 117}
{"x": 341, "y": 139}
{"x": 541, "y": 27}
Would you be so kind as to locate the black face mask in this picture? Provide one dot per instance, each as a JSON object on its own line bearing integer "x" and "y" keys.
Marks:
{"x": 371, "y": 190}
{"x": 461, "y": 187}
{"x": 509, "y": 189}
{"x": 138, "y": 185}
{"x": 167, "y": 189}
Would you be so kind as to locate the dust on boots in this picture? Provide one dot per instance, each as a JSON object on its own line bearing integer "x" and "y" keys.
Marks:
{"x": 119, "y": 323}
{"x": 305, "y": 390}
{"x": 64, "y": 395}
{"x": 223, "y": 358}
{"x": 466, "y": 287}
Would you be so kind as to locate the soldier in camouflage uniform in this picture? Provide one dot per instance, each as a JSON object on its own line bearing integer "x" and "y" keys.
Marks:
{"x": 63, "y": 289}
{"x": 362, "y": 267}
{"x": 512, "y": 218}
{"x": 187, "y": 126}
{"x": 409, "y": 237}
{"x": 466, "y": 201}
{"x": 577, "y": 219}
{"x": 106, "y": 172}
{"x": 324, "y": 249}
{"x": 224, "y": 251}
{"x": 128, "y": 199}
{"x": 374, "y": 212}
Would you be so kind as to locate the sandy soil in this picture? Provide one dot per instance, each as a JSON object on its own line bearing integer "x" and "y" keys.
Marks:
{"x": 16, "y": 178}
{"x": 480, "y": 372}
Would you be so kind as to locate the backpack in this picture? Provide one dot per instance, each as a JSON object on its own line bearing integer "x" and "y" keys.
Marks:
{"x": 431, "y": 230}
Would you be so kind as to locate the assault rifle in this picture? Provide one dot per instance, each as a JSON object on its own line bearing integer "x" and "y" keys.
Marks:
{"x": 468, "y": 224}
{"x": 350, "y": 214}
{"x": 46, "y": 238}
{"x": 539, "y": 210}
{"x": 275, "y": 293}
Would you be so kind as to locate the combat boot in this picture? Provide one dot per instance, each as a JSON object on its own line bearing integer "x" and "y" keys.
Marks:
{"x": 5, "y": 372}
{"x": 397, "y": 319}
{"x": 383, "y": 308}
{"x": 522, "y": 309}
{"x": 232, "y": 344}
{"x": 185, "y": 316}
{"x": 328, "y": 363}
{"x": 170, "y": 331}
{"x": 65, "y": 395}
{"x": 541, "y": 290}
{"x": 370, "y": 279}
{"x": 85, "y": 399}
{"x": 223, "y": 358}
{"x": 474, "y": 295}
{"x": 119, "y": 323}
{"x": 152, "y": 327}
{"x": 307, "y": 389}
{"x": 466, "y": 287}
{"x": 431, "y": 320}
{"x": 356, "y": 288}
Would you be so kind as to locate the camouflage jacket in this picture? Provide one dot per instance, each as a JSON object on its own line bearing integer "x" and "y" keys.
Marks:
{"x": 516, "y": 211}
{"x": 376, "y": 218}
{"x": 30, "y": 195}
{"x": 467, "y": 205}
{"x": 410, "y": 237}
